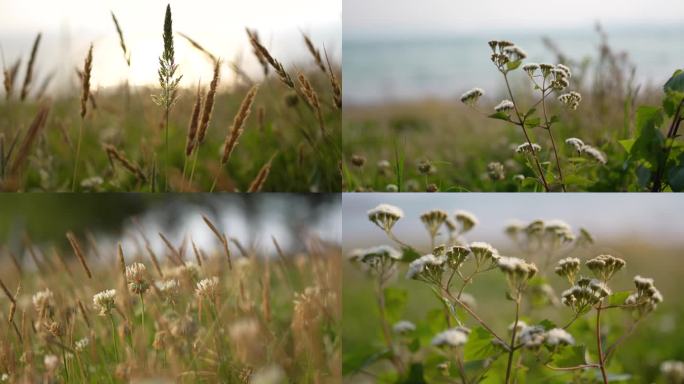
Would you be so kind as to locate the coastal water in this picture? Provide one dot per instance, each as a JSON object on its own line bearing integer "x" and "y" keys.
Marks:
{"x": 378, "y": 70}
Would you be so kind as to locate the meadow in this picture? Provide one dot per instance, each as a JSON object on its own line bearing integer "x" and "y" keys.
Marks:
{"x": 574, "y": 124}
{"x": 93, "y": 313}
{"x": 279, "y": 132}
{"x": 560, "y": 307}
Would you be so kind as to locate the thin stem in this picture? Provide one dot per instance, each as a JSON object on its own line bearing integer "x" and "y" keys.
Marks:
{"x": 474, "y": 316}
{"x": 78, "y": 156}
{"x": 461, "y": 369}
{"x": 521, "y": 122}
{"x": 194, "y": 163}
{"x": 395, "y": 239}
{"x": 599, "y": 345}
{"x": 385, "y": 327}
{"x": 213, "y": 185}
{"x": 166, "y": 164}
{"x": 142, "y": 321}
{"x": 576, "y": 367}
{"x": 511, "y": 351}
{"x": 114, "y": 337}
{"x": 553, "y": 142}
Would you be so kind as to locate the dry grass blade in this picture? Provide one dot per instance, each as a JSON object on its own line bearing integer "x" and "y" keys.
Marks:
{"x": 78, "y": 252}
{"x": 122, "y": 41}
{"x": 221, "y": 237}
{"x": 209, "y": 104}
{"x": 84, "y": 313}
{"x": 29, "y": 69}
{"x": 173, "y": 249}
{"x": 45, "y": 84}
{"x": 261, "y": 177}
{"x": 34, "y": 130}
{"x": 277, "y": 66}
{"x": 114, "y": 154}
{"x": 312, "y": 98}
{"x": 254, "y": 37}
{"x": 198, "y": 255}
{"x": 238, "y": 124}
{"x": 314, "y": 52}
{"x": 85, "y": 81}
{"x": 194, "y": 123}
{"x": 7, "y": 292}
{"x": 198, "y": 47}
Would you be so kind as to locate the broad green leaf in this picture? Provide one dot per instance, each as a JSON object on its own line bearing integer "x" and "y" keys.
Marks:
{"x": 360, "y": 359}
{"x": 547, "y": 324}
{"x": 627, "y": 144}
{"x": 554, "y": 119}
{"x": 618, "y": 298}
{"x": 500, "y": 116}
{"x": 533, "y": 122}
{"x": 530, "y": 112}
{"x": 479, "y": 345}
{"x": 649, "y": 141}
{"x": 675, "y": 177}
{"x": 512, "y": 65}
{"x": 395, "y": 303}
{"x": 409, "y": 254}
{"x": 676, "y": 82}
{"x": 570, "y": 356}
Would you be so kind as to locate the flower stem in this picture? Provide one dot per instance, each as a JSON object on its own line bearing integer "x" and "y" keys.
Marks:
{"x": 511, "y": 350}
{"x": 599, "y": 345}
{"x": 385, "y": 327}
{"x": 114, "y": 337}
{"x": 166, "y": 163}
{"x": 78, "y": 156}
{"x": 553, "y": 142}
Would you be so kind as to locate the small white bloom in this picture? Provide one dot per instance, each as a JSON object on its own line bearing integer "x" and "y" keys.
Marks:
{"x": 466, "y": 219}
{"x": 104, "y": 301}
{"x": 575, "y": 143}
{"x": 207, "y": 287}
{"x": 80, "y": 345}
{"x": 558, "y": 336}
{"x": 594, "y": 153}
{"x": 51, "y": 362}
{"x": 403, "y": 327}
{"x": 472, "y": 96}
{"x": 504, "y": 105}
{"x": 525, "y": 148}
{"x": 455, "y": 337}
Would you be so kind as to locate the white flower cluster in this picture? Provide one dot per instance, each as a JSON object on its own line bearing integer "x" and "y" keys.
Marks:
{"x": 526, "y": 148}
{"x": 585, "y": 293}
{"x": 673, "y": 371}
{"x": 571, "y": 99}
{"x": 472, "y": 96}
{"x": 135, "y": 274}
{"x": 533, "y": 336}
{"x": 82, "y": 344}
{"x": 433, "y": 220}
{"x": 647, "y": 296}
{"x": 466, "y": 219}
{"x": 207, "y": 288}
{"x": 568, "y": 267}
{"x": 587, "y": 149}
{"x": 483, "y": 253}
{"x": 403, "y": 327}
{"x": 605, "y": 266}
{"x": 427, "y": 267}
{"x": 385, "y": 216}
{"x": 43, "y": 300}
{"x": 454, "y": 337}
{"x": 518, "y": 271}
{"x": 504, "y": 106}
{"x": 504, "y": 52}
{"x": 104, "y": 301}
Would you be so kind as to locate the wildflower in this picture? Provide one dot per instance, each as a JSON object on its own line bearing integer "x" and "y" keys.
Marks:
{"x": 454, "y": 338}
{"x": 4, "y": 378}
{"x": 169, "y": 288}
{"x": 483, "y": 252}
{"x": 433, "y": 220}
{"x": 272, "y": 374}
{"x": 673, "y": 370}
{"x": 532, "y": 337}
{"x": 493, "y": 44}
{"x": 51, "y": 362}
{"x": 530, "y": 68}
{"x": 358, "y": 161}
{"x": 391, "y": 188}
{"x": 456, "y": 256}
{"x": 564, "y": 69}
{"x": 518, "y": 271}
{"x": 495, "y": 170}
{"x": 427, "y": 267}
{"x": 646, "y": 298}
{"x": 594, "y": 153}
{"x": 500, "y": 59}
{"x": 514, "y": 53}
{"x": 558, "y": 336}
{"x": 385, "y": 216}
{"x": 605, "y": 266}
{"x": 104, "y": 301}
{"x": 135, "y": 274}
{"x": 514, "y": 228}
{"x": 466, "y": 219}
{"x": 569, "y": 268}
{"x": 207, "y": 288}
{"x": 571, "y": 100}
{"x": 518, "y": 327}
{"x": 403, "y": 327}
{"x": 535, "y": 227}
{"x": 472, "y": 96}
{"x": 546, "y": 69}
{"x": 384, "y": 164}
{"x": 585, "y": 293}
{"x": 380, "y": 253}
{"x": 559, "y": 231}
{"x": 80, "y": 345}
{"x": 576, "y": 143}
{"x": 525, "y": 148}
{"x": 426, "y": 168}
{"x": 504, "y": 106}
{"x": 92, "y": 182}
{"x": 43, "y": 300}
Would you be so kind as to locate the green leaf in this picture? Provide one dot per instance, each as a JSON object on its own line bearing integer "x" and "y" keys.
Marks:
{"x": 358, "y": 360}
{"x": 530, "y": 112}
{"x": 554, "y": 119}
{"x": 409, "y": 254}
{"x": 547, "y": 324}
{"x": 415, "y": 375}
{"x": 512, "y": 65}
{"x": 500, "y": 116}
{"x": 618, "y": 298}
{"x": 479, "y": 345}
{"x": 676, "y": 82}
{"x": 395, "y": 303}
{"x": 627, "y": 144}
{"x": 570, "y": 356}
{"x": 533, "y": 122}
{"x": 649, "y": 142}
{"x": 675, "y": 177}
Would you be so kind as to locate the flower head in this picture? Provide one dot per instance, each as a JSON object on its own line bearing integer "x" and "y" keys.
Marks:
{"x": 403, "y": 327}
{"x": 483, "y": 253}
{"x": 575, "y": 143}
{"x": 427, "y": 267}
{"x": 518, "y": 271}
{"x": 82, "y": 344}
{"x": 594, "y": 154}
{"x": 433, "y": 220}
{"x": 646, "y": 298}
{"x": 454, "y": 338}
{"x": 137, "y": 281}
{"x": 466, "y": 219}
{"x": 531, "y": 68}
{"x": 43, "y": 300}
{"x": 207, "y": 288}
{"x": 472, "y": 96}
{"x": 514, "y": 53}
{"x": 526, "y": 148}
{"x": 569, "y": 268}
{"x": 605, "y": 266}
{"x": 570, "y": 99}
{"x": 584, "y": 294}
{"x": 532, "y": 337}
{"x": 104, "y": 301}
{"x": 558, "y": 336}
{"x": 504, "y": 106}
{"x": 385, "y": 216}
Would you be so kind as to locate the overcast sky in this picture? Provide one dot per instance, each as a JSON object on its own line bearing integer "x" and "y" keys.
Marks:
{"x": 69, "y": 26}
{"x": 394, "y": 17}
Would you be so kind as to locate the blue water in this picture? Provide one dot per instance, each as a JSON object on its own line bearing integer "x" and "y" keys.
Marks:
{"x": 443, "y": 66}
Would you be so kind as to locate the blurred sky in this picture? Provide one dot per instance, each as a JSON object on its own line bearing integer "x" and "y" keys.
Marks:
{"x": 655, "y": 218}
{"x": 69, "y": 26}
{"x": 400, "y": 17}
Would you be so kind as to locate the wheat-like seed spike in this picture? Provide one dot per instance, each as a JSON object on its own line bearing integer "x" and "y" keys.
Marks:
{"x": 221, "y": 237}
{"x": 198, "y": 47}
{"x": 113, "y": 153}
{"x": 29, "y": 69}
{"x": 173, "y": 250}
{"x": 83, "y": 312}
{"x": 61, "y": 260}
{"x": 122, "y": 42}
{"x": 209, "y": 104}
{"x": 85, "y": 89}
{"x": 10, "y": 77}
{"x": 198, "y": 256}
{"x": 312, "y": 98}
{"x": 121, "y": 262}
{"x": 334, "y": 83}
{"x": 7, "y": 292}
{"x": 238, "y": 124}
{"x": 314, "y": 52}
{"x": 36, "y": 126}
{"x": 253, "y": 36}
{"x": 261, "y": 177}
{"x": 266, "y": 292}
{"x": 277, "y": 66}
{"x": 78, "y": 252}
{"x": 194, "y": 122}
